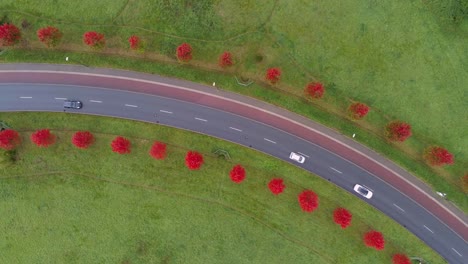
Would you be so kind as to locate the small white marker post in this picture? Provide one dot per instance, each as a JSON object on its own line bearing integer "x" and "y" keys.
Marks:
{"x": 442, "y": 194}
{"x": 354, "y": 135}
{"x": 66, "y": 58}
{"x": 214, "y": 84}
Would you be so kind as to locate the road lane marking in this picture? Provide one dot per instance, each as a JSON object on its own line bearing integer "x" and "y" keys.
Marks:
{"x": 303, "y": 154}
{"x": 95, "y": 101}
{"x": 233, "y": 128}
{"x": 399, "y": 207}
{"x": 428, "y": 229}
{"x": 457, "y": 252}
{"x": 25, "y": 97}
{"x": 336, "y": 170}
{"x": 129, "y": 105}
{"x": 164, "y": 111}
{"x": 269, "y": 140}
{"x": 60, "y": 98}
{"x": 201, "y": 119}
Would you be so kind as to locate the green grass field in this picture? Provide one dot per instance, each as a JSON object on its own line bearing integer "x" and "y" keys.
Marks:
{"x": 65, "y": 205}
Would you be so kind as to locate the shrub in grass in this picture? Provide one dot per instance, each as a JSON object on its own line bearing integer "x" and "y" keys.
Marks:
{"x": 400, "y": 259}
{"x": 308, "y": 200}
{"x": 193, "y": 160}
{"x": 82, "y": 139}
{"x": 358, "y": 110}
{"x": 135, "y": 43}
{"x": 9, "y": 35}
{"x": 276, "y": 186}
{"x": 398, "y": 131}
{"x": 43, "y": 138}
{"x": 375, "y": 240}
{"x": 9, "y": 139}
{"x": 438, "y": 156}
{"x": 314, "y": 90}
{"x": 121, "y": 145}
{"x": 94, "y": 39}
{"x": 158, "y": 150}
{"x": 237, "y": 174}
{"x": 50, "y": 36}
{"x": 273, "y": 75}
{"x": 342, "y": 217}
{"x": 464, "y": 183}
{"x": 184, "y": 52}
{"x": 225, "y": 60}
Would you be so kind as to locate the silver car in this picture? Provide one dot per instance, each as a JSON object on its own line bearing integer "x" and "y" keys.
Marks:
{"x": 296, "y": 157}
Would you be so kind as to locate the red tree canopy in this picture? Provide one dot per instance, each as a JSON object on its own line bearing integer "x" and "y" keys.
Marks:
{"x": 184, "y": 52}
{"x": 121, "y": 145}
{"x": 400, "y": 259}
{"x": 43, "y": 138}
{"x": 358, "y": 110}
{"x": 94, "y": 39}
{"x": 276, "y": 186}
{"x": 308, "y": 200}
{"x": 49, "y": 35}
{"x": 135, "y": 42}
{"x": 193, "y": 160}
{"x": 273, "y": 75}
{"x": 438, "y": 156}
{"x": 158, "y": 150}
{"x": 374, "y": 239}
{"x": 9, "y": 35}
{"x": 237, "y": 174}
{"x": 314, "y": 90}
{"x": 342, "y": 217}
{"x": 82, "y": 139}
{"x": 225, "y": 60}
{"x": 9, "y": 139}
{"x": 398, "y": 131}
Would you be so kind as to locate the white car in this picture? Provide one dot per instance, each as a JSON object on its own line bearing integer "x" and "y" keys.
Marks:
{"x": 364, "y": 191}
{"x": 296, "y": 157}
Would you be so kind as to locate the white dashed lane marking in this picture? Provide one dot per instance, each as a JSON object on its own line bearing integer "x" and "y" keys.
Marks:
{"x": 336, "y": 170}
{"x": 457, "y": 252}
{"x": 95, "y": 101}
{"x": 60, "y": 98}
{"x": 201, "y": 119}
{"x": 236, "y": 129}
{"x": 25, "y": 97}
{"x": 164, "y": 111}
{"x": 129, "y": 105}
{"x": 428, "y": 229}
{"x": 401, "y": 209}
{"x": 303, "y": 154}
{"x": 269, "y": 140}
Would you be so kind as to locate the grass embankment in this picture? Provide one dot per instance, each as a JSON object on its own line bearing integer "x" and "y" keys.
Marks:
{"x": 360, "y": 50}
{"x": 63, "y": 204}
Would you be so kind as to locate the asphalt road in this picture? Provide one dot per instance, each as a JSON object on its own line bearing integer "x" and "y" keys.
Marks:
{"x": 247, "y": 132}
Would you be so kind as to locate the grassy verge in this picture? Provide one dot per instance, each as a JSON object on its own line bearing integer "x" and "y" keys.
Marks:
{"x": 95, "y": 206}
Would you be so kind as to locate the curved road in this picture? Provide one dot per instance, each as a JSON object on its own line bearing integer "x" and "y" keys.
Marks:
{"x": 236, "y": 128}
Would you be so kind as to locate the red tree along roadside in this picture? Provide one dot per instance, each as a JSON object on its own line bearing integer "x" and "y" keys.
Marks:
{"x": 82, "y": 139}
{"x": 9, "y": 139}
{"x": 94, "y": 39}
{"x": 50, "y": 36}
{"x": 438, "y": 156}
{"x": 273, "y": 75}
{"x": 308, "y": 200}
{"x": 374, "y": 239}
{"x": 314, "y": 90}
{"x": 237, "y": 174}
{"x": 193, "y": 160}
{"x": 342, "y": 217}
{"x": 276, "y": 186}
{"x": 225, "y": 60}
{"x": 358, "y": 110}
{"x": 398, "y": 131}
{"x": 121, "y": 145}
{"x": 400, "y": 259}
{"x": 158, "y": 150}
{"x": 135, "y": 42}
{"x": 9, "y": 35}
{"x": 43, "y": 138}
{"x": 184, "y": 52}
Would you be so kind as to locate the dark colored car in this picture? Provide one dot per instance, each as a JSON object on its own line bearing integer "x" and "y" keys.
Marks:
{"x": 72, "y": 104}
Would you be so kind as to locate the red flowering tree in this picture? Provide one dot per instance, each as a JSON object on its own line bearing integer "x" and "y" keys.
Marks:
{"x": 273, "y": 75}
{"x": 237, "y": 173}
{"x": 342, "y": 217}
{"x": 158, "y": 150}
{"x": 308, "y": 200}
{"x": 225, "y": 60}
{"x": 314, "y": 90}
{"x": 184, "y": 52}
{"x": 9, "y": 139}
{"x": 9, "y": 35}
{"x": 374, "y": 239}
{"x": 82, "y": 139}
{"x": 398, "y": 131}
{"x": 94, "y": 39}
{"x": 358, "y": 110}
{"x": 121, "y": 145}
{"x": 193, "y": 160}
{"x": 400, "y": 259}
{"x": 135, "y": 42}
{"x": 43, "y": 138}
{"x": 276, "y": 186}
{"x": 50, "y": 36}
{"x": 438, "y": 156}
